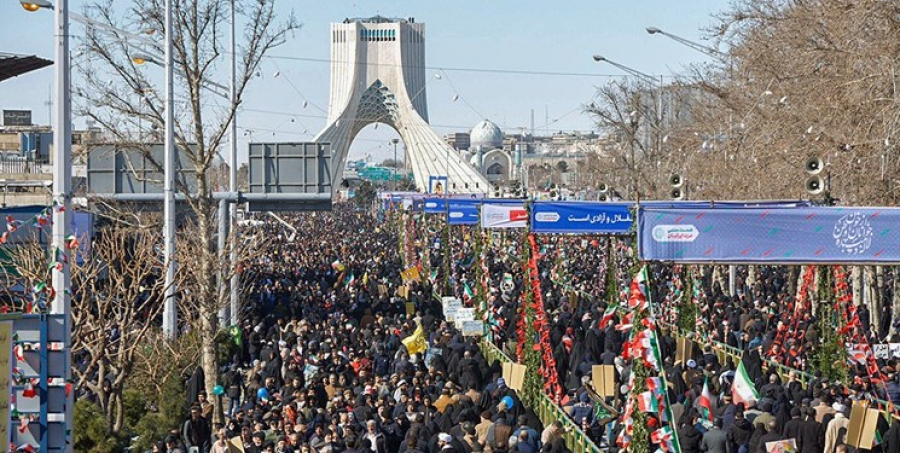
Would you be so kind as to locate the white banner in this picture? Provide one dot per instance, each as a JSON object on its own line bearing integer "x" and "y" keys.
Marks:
{"x": 503, "y": 216}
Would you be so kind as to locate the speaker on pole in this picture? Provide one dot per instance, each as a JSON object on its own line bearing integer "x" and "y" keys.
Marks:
{"x": 677, "y": 194}
{"x": 676, "y": 181}
{"x": 814, "y": 165}
{"x": 602, "y": 188}
{"x": 602, "y": 197}
{"x": 815, "y": 185}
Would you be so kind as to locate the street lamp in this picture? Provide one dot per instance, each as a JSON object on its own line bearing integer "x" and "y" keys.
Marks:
{"x": 395, "y": 141}
{"x": 34, "y": 5}
{"x": 62, "y": 187}
{"x": 687, "y": 42}
{"x": 170, "y": 314}
{"x": 647, "y": 78}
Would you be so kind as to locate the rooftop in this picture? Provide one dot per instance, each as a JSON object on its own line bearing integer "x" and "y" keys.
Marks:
{"x": 379, "y": 20}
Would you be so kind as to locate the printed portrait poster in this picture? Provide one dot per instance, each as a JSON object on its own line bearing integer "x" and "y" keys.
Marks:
{"x": 782, "y": 446}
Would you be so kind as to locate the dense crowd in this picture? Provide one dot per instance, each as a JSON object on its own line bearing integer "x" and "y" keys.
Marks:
{"x": 324, "y": 368}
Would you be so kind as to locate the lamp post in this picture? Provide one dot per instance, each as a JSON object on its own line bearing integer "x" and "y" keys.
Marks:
{"x": 170, "y": 313}
{"x": 62, "y": 187}
{"x": 687, "y": 42}
{"x": 232, "y": 177}
{"x": 395, "y": 141}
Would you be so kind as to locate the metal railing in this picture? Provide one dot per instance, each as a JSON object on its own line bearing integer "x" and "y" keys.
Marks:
{"x": 547, "y": 410}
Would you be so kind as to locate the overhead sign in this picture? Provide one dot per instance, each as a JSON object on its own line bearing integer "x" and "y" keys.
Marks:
{"x": 581, "y": 217}
{"x": 17, "y": 117}
{"x": 494, "y": 215}
{"x": 462, "y": 211}
{"x": 765, "y": 235}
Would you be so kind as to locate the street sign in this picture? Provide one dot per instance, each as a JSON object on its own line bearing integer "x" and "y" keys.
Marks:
{"x": 17, "y": 117}
{"x": 300, "y": 168}
{"x": 112, "y": 170}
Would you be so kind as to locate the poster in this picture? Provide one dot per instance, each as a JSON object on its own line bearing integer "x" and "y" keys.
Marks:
{"x": 437, "y": 184}
{"x": 782, "y": 446}
{"x": 473, "y": 328}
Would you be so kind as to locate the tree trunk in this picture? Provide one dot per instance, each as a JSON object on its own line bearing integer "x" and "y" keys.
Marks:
{"x": 871, "y": 289}
{"x": 751, "y": 280}
{"x": 856, "y": 275}
{"x": 795, "y": 275}
{"x": 208, "y": 302}
{"x": 120, "y": 411}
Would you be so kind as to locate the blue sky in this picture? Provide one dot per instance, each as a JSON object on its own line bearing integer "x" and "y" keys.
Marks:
{"x": 527, "y": 35}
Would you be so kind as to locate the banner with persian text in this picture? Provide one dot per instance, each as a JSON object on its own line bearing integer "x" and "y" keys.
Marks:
{"x": 581, "y": 217}
{"x": 766, "y": 235}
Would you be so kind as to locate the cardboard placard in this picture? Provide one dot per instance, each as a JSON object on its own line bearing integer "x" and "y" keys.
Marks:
{"x": 403, "y": 292}
{"x": 507, "y": 372}
{"x": 684, "y": 350}
{"x": 410, "y": 309}
{"x": 516, "y": 377}
{"x": 603, "y": 377}
{"x": 782, "y": 446}
{"x": 382, "y": 290}
{"x": 472, "y": 328}
{"x": 863, "y": 422}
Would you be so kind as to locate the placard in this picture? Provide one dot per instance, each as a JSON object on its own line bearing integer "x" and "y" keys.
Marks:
{"x": 516, "y": 377}
{"x": 684, "y": 350}
{"x": 863, "y": 422}
{"x": 472, "y": 328}
{"x": 410, "y": 309}
{"x": 603, "y": 378}
{"x": 782, "y": 446}
{"x": 464, "y": 314}
{"x": 507, "y": 371}
{"x": 881, "y": 351}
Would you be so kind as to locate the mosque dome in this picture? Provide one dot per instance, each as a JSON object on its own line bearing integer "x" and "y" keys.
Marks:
{"x": 487, "y": 135}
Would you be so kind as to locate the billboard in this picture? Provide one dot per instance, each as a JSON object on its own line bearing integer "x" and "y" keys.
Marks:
{"x": 581, "y": 217}
{"x": 17, "y": 117}
{"x": 504, "y": 215}
{"x": 771, "y": 235}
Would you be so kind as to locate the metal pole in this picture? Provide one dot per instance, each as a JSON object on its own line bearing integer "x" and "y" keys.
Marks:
{"x": 223, "y": 286}
{"x": 62, "y": 188}
{"x": 170, "y": 314}
{"x": 732, "y": 277}
{"x": 232, "y": 180}
{"x": 395, "y": 163}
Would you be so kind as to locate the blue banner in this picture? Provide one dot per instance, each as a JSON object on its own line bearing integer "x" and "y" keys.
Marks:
{"x": 807, "y": 235}
{"x": 463, "y": 211}
{"x": 435, "y": 206}
{"x": 581, "y": 217}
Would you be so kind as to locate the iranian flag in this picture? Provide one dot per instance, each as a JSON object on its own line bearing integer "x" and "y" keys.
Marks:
{"x": 636, "y": 296}
{"x": 647, "y": 402}
{"x": 743, "y": 391}
{"x": 663, "y": 438}
{"x": 706, "y": 400}
{"x": 655, "y": 384}
{"x": 608, "y": 314}
{"x": 468, "y": 295}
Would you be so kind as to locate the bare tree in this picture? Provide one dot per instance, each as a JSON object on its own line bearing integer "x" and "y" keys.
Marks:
{"x": 117, "y": 96}
{"x": 117, "y": 294}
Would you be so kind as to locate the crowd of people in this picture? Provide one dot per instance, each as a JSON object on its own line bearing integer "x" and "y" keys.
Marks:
{"x": 324, "y": 368}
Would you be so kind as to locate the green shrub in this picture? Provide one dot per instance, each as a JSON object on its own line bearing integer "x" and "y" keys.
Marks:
{"x": 89, "y": 433}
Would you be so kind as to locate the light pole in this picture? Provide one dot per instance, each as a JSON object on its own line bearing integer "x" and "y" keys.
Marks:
{"x": 170, "y": 310}
{"x": 62, "y": 188}
{"x": 687, "y": 42}
{"x": 232, "y": 179}
{"x": 395, "y": 141}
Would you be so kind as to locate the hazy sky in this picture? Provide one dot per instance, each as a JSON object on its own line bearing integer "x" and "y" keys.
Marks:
{"x": 557, "y": 36}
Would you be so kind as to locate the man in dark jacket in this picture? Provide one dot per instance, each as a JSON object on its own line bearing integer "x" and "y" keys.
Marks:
{"x": 196, "y": 431}
{"x": 812, "y": 435}
{"x": 689, "y": 437}
{"x": 715, "y": 440}
{"x": 739, "y": 433}
{"x": 771, "y": 435}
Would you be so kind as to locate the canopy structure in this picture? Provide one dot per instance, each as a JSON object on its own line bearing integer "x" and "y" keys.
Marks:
{"x": 12, "y": 65}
